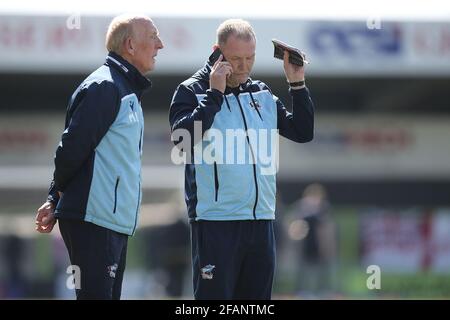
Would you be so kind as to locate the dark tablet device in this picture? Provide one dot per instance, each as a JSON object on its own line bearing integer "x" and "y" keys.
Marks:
{"x": 295, "y": 55}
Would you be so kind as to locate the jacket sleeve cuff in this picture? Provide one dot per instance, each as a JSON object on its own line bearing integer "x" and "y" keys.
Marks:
{"x": 298, "y": 92}
{"x": 53, "y": 195}
{"x": 216, "y": 96}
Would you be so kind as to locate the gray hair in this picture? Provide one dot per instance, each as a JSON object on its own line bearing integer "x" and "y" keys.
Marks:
{"x": 237, "y": 27}
{"x": 121, "y": 28}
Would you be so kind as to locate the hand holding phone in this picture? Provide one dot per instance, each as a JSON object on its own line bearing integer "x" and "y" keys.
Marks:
{"x": 219, "y": 71}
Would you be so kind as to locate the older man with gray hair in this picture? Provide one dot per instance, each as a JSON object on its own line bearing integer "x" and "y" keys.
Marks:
{"x": 95, "y": 193}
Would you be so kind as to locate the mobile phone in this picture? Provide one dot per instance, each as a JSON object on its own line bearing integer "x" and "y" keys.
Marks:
{"x": 295, "y": 55}
{"x": 215, "y": 56}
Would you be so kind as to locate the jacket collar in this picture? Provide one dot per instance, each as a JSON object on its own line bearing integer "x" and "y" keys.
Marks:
{"x": 243, "y": 87}
{"x": 137, "y": 80}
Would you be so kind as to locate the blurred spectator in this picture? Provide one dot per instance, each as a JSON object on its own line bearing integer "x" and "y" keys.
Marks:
{"x": 314, "y": 230}
{"x": 168, "y": 255}
{"x": 280, "y": 235}
{"x": 167, "y": 241}
{"x": 16, "y": 282}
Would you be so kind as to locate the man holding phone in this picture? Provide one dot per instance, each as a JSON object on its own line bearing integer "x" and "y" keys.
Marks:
{"x": 231, "y": 206}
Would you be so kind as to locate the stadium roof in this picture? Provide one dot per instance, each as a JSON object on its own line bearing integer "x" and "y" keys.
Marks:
{"x": 416, "y": 10}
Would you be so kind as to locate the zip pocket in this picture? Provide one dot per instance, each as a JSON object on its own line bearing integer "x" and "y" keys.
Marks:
{"x": 115, "y": 194}
{"x": 216, "y": 181}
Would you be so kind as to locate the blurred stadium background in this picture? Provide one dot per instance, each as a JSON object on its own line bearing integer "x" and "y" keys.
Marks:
{"x": 379, "y": 163}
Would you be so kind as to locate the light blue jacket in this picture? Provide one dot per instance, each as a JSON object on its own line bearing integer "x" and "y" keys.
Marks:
{"x": 98, "y": 161}
{"x": 220, "y": 190}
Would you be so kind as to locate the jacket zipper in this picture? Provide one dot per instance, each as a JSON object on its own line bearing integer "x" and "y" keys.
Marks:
{"x": 137, "y": 207}
{"x": 228, "y": 104}
{"x": 140, "y": 142}
{"x": 139, "y": 190}
{"x": 216, "y": 181}
{"x": 115, "y": 194}
{"x": 253, "y": 157}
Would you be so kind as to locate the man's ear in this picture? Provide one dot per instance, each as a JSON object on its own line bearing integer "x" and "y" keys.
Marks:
{"x": 129, "y": 46}
{"x": 214, "y": 47}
